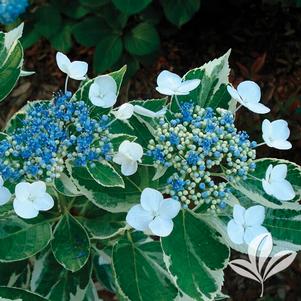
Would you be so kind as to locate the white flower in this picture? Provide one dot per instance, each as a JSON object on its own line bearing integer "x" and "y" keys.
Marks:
{"x": 5, "y": 194}
{"x": 31, "y": 198}
{"x": 275, "y": 183}
{"x": 248, "y": 94}
{"x": 103, "y": 92}
{"x": 169, "y": 83}
{"x": 75, "y": 70}
{"x": 155, "y": 213}
{"x": 124, "y": 112}
{"x": 246, "y": 224}
{"x": 127, "y": 110}
{"x": 129, "y": 153}
{"x": 276, "y": 133}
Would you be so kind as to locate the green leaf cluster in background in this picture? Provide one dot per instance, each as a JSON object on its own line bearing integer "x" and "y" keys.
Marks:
{"x": 122, "y": 31}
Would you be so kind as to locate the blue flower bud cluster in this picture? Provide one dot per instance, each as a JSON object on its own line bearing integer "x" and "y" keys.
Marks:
{"x": 10, "y": 10}
{"x": 207, "y": 152}
{"x": 51, "y": 133}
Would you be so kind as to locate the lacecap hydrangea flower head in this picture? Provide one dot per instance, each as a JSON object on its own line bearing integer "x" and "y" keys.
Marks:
{"x": 10, "y": 10}
{"x": 206, "y": 154}
{"x": 51, "y": 133}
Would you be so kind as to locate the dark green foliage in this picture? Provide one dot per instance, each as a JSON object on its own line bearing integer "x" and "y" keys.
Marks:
{"x": 120, "y": 30}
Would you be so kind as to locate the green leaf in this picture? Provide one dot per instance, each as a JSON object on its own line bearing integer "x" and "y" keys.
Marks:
{"x": 192, "y": 242}
{"x": 89, "y": 31}
{"x": 106, "y": 225}
{"x": 65, "y": 186}
{"x": 34, "y": 235}
{"x": 91, "y": 293}
{"x": 17, "y": 294}
{"x": 104, "y": 174}
{"x": 93, "y": 3}
{"x": 131, "y": 7}
{"x": 285, "y": 226}
{"x": 70, "y": 245}
{"x": 104, "y": 271}
{"x": 108, "y": 51}
{"x": 12, "y": 272}
{"x": 11, "y": 60}
{"x": 252, "y": 188}
{"x": 62, "y": 40}
{"x": 143, "y": 261}
{"x": 117, "y": 139}
{"x": 54, "y": 20}
{"x": 51, "y": 280}
{"x": 142, "y": 39}
{"x": 180, "y": 12}
{"x": 114, "y": 199}
{"x": 212, "y": 91}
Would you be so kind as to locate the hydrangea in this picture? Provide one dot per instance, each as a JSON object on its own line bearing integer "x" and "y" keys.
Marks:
{"x": 10, "y": 10}
{"x": 50, "y": 133}
{"x": 206, "y": 150}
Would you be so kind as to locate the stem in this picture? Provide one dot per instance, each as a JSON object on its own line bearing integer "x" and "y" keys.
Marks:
{"x": 177, "y": 101}
{"x": 66, "y": 83}
{"x": 238, "y": 108}
{"x": 255, "y": 178}
{"x": 111, "y": 122}
{"x": 260, "y": 144}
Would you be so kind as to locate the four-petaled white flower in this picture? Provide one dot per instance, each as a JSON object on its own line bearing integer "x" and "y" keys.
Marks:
{"x": 5, "y": 194}
{"x": 103, "y": 91}
{"x": 248, "y": 94}
{"x": 246, "y": 224}
{"x": 128, "y": 156}
{"x": 76, "y": 70}
{"x": 275, "y": 183}
{"x": 155, "y": 213}
{"x": 126, "y": 111}
{"x": 276, "y": 133}
{"x": 169, "y": 83}
{"x": 31, "y": 198}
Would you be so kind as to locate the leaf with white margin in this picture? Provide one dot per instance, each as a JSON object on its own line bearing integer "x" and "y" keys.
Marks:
{"x": 212, "y": 91}
{"x": 117, "y": 139}
{"x": 143, "y": 260}
{"x": 18, "y": 294}
{"x": 105, "y": 174}
{"x": 65, "y": 186}
{"x": 284, "y": 259}
{"x": 11, "y": 60}
{"x": 34, "y": 235}
{"x": 191, "y": 242}
{"x": 54, "y": 282}
{"x": 252, "y": 188}
{"x": 71, "y": 243}
{"x": 115, "y": 199}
